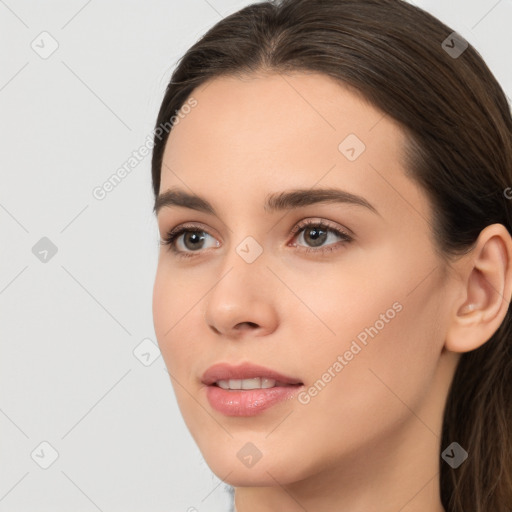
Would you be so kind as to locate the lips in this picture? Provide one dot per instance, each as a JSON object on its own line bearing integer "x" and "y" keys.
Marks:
{"x": 226, "y": 372}
{"x": 220, "y": 379}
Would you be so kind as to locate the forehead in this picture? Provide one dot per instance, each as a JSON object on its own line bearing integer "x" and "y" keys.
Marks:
{"x": 264, "y": 133}
{"x": 273, "y": 111}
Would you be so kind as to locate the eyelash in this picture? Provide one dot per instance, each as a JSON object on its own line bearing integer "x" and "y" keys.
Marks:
{"x": 173, "y": 234}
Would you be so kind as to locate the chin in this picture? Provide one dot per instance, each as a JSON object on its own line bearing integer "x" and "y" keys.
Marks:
{"x": 251, "y": 477}
{"x": 240, "y": 465}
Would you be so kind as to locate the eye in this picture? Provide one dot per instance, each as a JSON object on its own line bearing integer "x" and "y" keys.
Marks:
{"x": 316, "y": 233}
{"x": 189, "y": 240}
{"x": 192, "y": 238}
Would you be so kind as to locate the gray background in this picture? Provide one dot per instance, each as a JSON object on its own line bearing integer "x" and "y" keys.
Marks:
{"x": 79, "y": 365}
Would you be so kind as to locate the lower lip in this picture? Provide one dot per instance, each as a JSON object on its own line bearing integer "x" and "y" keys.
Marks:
{"x": 248, "y": 402}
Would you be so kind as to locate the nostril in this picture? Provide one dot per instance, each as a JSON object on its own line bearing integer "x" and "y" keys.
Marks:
{"x": 243, "y": 325}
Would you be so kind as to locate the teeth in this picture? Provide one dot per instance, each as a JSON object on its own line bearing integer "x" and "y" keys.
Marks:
{"x": 257, "y": 383}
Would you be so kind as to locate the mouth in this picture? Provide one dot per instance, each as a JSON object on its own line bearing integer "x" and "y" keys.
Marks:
{"x": 254, "y": 383}
{"x": 247, "y": 389}
{"x": 246, "y": 376}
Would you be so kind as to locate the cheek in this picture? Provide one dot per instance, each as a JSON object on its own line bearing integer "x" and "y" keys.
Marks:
{"x": 383, "y": 353}
{"x": 173, "y": 311}
{"x": 369, "y": 299}
{"x": 173, "y": 307}
{"x": 175, "y": 295}
{"x": 334, "y": 304}
{"x": 380, "y": 312}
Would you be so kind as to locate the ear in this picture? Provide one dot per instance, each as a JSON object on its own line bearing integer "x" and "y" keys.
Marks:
{"x": 486, "y": 287}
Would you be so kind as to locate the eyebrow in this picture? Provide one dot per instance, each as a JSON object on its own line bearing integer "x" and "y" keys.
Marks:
{"x": 277, "y": 201}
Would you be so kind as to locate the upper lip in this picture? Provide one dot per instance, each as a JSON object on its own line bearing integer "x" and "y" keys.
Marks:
{"x": 225, "y": 371}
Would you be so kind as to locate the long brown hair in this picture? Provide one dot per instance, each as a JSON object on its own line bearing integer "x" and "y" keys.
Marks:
{"x": 412, "y": 67}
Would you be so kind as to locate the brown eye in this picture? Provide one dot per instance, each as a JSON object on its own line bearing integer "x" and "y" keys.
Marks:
{"x": 185, "y": 241}
{"x": 315, "y": 234}
{"x": 193, "y": 240}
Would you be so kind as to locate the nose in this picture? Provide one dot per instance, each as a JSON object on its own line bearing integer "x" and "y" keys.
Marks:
{"x": 243, "y": 300}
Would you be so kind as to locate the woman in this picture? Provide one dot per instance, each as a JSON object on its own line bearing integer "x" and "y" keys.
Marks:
{"x": 333, "y": 286}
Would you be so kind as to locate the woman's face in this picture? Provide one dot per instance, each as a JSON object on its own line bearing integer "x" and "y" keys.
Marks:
{"x": 357, "y": 323}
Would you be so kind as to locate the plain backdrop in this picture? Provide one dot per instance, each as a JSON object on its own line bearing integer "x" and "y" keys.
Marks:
{"x": 88, "y": 417}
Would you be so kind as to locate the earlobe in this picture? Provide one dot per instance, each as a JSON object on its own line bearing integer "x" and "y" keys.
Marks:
{"x": 486, "y": 278}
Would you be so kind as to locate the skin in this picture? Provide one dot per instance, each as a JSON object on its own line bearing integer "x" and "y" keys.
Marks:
{"x": 370, "y": 440}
